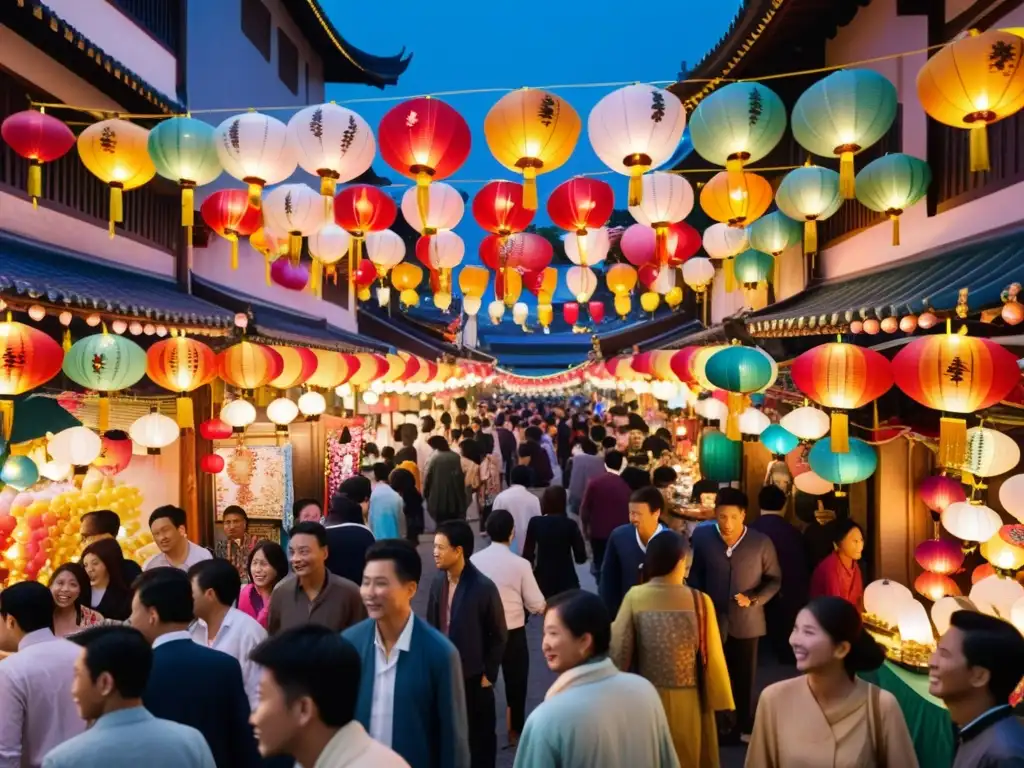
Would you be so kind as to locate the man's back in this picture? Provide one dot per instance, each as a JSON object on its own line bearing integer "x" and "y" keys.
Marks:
{"x": 605, "y": 505}
{"x": 346, "y": 550}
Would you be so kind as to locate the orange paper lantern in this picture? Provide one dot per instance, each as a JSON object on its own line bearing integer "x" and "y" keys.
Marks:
{"x": 181, "y": 365}
{"x": 249, "y": 366}
{"x": 739, "y": 204}
{"x": 332, "y": 369}
{"x": 299, "y": 364}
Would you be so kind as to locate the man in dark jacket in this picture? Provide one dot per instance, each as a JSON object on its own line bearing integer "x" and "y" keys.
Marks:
{"x": 738, "y": 569}
{"x": 627, "y": 546}
{"x": 604, "y": 506}
{"x": 348, "y": 537}
{"x": 539, "y": 461}
{"x": 466, "y": 607}
{"x": 506, "y": 444}
{"x": 190, "y": 683}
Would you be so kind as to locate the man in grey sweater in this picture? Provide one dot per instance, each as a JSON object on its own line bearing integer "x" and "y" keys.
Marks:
{"x": 586, "y": 464}
{"x": 737, "y": 567}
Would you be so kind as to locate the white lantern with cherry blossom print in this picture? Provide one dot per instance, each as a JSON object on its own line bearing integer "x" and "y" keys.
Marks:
{"x": 581, "y": 282}
{"x": 634, "y": 129}
{"x": 332, "y": 142}
{"x": 296, "y": 209}
{"x": 667, "y": 198}
{"x": 445, "y": 208}
{"x": 255, "y": 148}
{"x": 384, "y": 249}
{"x": 595, "y": 247}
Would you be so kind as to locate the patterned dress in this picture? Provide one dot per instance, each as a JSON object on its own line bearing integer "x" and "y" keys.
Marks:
{"x": 237, "y": 553}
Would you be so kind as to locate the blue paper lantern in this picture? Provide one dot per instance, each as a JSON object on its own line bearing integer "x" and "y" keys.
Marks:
{"x": 739, "y": 369}
{"x": 774, "y": 233}
{"x": 720, "y": 458}
{"x": 779, "y": 440}
{"x": 752, "y": 268}
{"x": 843, "y": 468}
{"x": 184, "y": 150}
{"x": 19, "y": 472}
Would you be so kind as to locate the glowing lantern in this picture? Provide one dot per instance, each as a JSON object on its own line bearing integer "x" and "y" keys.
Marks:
{"x": 255, "y": 148}
{"x": 698, "y": 363}
{"x": 990, "y": 453}
{"x": 508, "y": 285}
{"x": 736, "y": 199}
{"x": 406, "y": 276}
{"x": 754, "y": 269}
{"x": 385, "y": 249}
{"x": 996, "y": 595}
{"x": 939, "y": 491}
{"x": 181, "y": 365}
{"x": 361, "y": 209}
{"x": 154, "y": 431}
{"x": 945, "y": 607}
{"x": 807, "y": 423}
{"x": 312, "y": 405}
{"x": 720, "y": 458}
{"x": 634, "y": 129}
{"x": 115, "y": 151}
{"x": 779, "y": 440}
{"x": 249, "y": 366}
{"x": 212, "y": 464}
{"x": 329, "y": 244}
{"x": 638, "y": 244}
{"x": 440, "y": 251}
{"x": 77, "y": 446}
{"x": 238, "y": 414}
{"x": 332, "y": 369}
{"x": 971, "y": 522}
{"x": 531, "y": 132}
{"x": 846, "y": 468}
{"x": 542, "y": 284}
{"x": 184, "y": 150}
{"x": 105, "y": 363}
{"x": 214, "y": 429}
{"x": 545, "y": 315}
{"x": 424, "y": 139}
{"x": 498, "y": 208}
{"x": 331, "y": 142}
{"x": 843, "y": 114}
{"x": 294, "y": 277}
{"x": 809, "y": 194}
{"x": 409, "y": 298}
{"x": 520, "y": 313}
{"x": 722, "y": 241}
{"x": 738, "y": 370}
{"x": 587, "y": 250}
{"x": 667, "y": 198}
{"x": 296, "y": 209}
{"x": 972, "y": 82}
{"x": 525, "y": 251}
{"x": 581, "y": 282}
{"x": 282, "y": 412}
{"x": 473, "y": 281}
{"x": 496, "y": 310}
{"x": 1011, "y": 496}
{"x": 884, "y": 599}
{"x": 299, "y": 363}
{"x": 774, "y": 233}
{"x": 891, "y": 184}
{"x": 621, "y": 279}
{"x": 935, "y": 586}
{"x": 571, "y": 312}
{"x": 623, "y": 305}
{"x": 19, "y": 472}
{"x": 596, "y": 310}
{"x": 649, "y": 301}
{"x": 580, "y": 205}
{"x": 674, "y": 297}
{"x": 752, "y": 423}
{"x": 913, "y": 624}
{"x": 939, "y": 556}
{"x": 698, "y": 274}
{"x": 28, "y": 359}
{"x": 39, "y": 138}
{"x": 445, "y": 208}
{"x": 229, "y": 213}
{"x": 1005, "y": 556}
{"x": 115, "y": 452}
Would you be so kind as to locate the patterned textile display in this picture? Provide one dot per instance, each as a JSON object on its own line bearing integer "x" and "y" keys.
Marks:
{"x": 341, "y": 460}
{"x": 258, "y": 479}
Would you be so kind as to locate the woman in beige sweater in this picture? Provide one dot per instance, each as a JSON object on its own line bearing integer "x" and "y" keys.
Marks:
{"x": 828, "y": 716}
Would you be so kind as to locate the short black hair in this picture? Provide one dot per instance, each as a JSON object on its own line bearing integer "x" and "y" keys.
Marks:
{"x": 995, "y": 645}
{"x": 524, "y": 451}
{"x": 664, "y": 551}
{"x": 521, "y": 476}
{"x": 588, "y": 446}
{"x": 168, "y": 591}
{"x": 310, "y": 529}
{"x": 650, "y": 496}
{"x": 317, "y": 662}
{"x": 459, "y": 534}
{"x": 121, "y": 652}
{"x": 614, "y": 459}
{"x": 446, "y": 420}
{"x": 771, "y": 498}
{"x": 31, "y": 605}
{"x": 274, "y": 553}
{"x": 357, "y": 488}
{"x": 841, "y": 529}
{"x": 534, "y": 434}
{"x": 220, "y": 576}
{"x": 428, "y": 423}
{"x": 499, "y": 526}
{"x": 598, "y": 433}
{"x": 402, "y": 554}
{"x": 584, "y": 613}
{"x": 388, "y": 454}
{"x": 371, "y": 449}
{"x": 301, "y": 504}
{"x": 107, "y": 521}
{"x": 234, "y": 509}
{"x": 663, "y": 477}
{"x": 175, "y": 514}
{"x": 731, "y": 497}
{"x": 609, "y": 443}
{"x": 438, "y": 443}
{"x": 381, "y": 471}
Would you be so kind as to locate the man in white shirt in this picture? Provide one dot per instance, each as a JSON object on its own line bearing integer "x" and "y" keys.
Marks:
{"x": 519, "y": 593}
{"x": 521, "y": 503}
{"x": 215, "y": 589}
{"x": 167, "y": 524}
{"x": 423, "y": 449}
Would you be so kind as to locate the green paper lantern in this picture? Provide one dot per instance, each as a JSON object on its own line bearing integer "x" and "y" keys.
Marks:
{"x": 737, "y": 124}
{"x": 858, "y": 464}
{"x": 774, "y": 233}
{"x": 891, "y": 184}
{"x": 105, "y": 362}
{"x": 779, "y": 440}
{"x": 19, "y": 472}
{"x": 809, "y": 194}
{"x": 843, "y": 114}
{"x": 720, "y": 458}
{"x": 739, "y": 369}
{"x": 184, "y": 150}
{"x": 754, "y": 267}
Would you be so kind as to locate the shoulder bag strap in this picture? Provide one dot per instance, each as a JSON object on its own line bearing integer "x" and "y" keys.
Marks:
{"x": 875, "y": 725}
{"x": 702, "y": 626}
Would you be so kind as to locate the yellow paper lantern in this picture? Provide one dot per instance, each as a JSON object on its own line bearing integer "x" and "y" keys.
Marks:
{"x": 736, "y": 204}
{"x": 545, "y": 314}
{"x": 531, "y": 132}
{"x": 513, "y": 286}
{"x": 623, "y": 305}
{"x": 650, "y": 301}
{"x": 409, "y": 297}
{"x": 406, "y": 276}
{"x": 473, "y": 280}
{"x": 621, "y": 279}
{"x": 674, "y": 297}
{"x": 117, "y": 153}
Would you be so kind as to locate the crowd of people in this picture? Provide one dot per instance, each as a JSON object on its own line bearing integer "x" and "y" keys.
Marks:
{"x": 255, "y": 655}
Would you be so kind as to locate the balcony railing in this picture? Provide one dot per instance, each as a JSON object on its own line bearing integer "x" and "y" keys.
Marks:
{"x": 161, "y": 18}
{"x": 152, "y": 213}
{"x": 955, "y": 184}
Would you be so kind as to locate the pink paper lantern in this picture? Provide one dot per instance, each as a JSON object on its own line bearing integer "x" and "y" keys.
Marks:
{"x": 294, "y": 277}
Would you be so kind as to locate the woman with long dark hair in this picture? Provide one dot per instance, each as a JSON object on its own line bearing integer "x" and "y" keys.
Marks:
{"x": 403, "y": 482}
{"x": 110, "y": 596}
{"x": 72, "y": 594}
{"x": 554, "y": 543}
{"x": 444, "y": 486}
{"x": 268, "y": 564}
{"x": 829, "y": 716}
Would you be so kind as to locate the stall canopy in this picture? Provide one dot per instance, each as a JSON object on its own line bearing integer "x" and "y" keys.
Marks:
{"x": 403, "y": 333}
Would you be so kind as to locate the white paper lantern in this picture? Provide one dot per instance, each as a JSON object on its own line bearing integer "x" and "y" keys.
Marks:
{"x": 971, "y": 522}
{"x": 812, "y": 484}
{"x": 370, "y": 397}
{"x": 667, "y": 198}
{"x": 581, "y": 282}
{"x": 1017, "y": 614}
{"x": 385, "y": 249}
{"x": 445, "y": 209}
{"x": 990, "y": 453}
{"x": 665, "y": 281}
{"x": 1011, "y": 496}
{"x": 636, "y": 128}
{"x": 312, "y": 404}
{"x": 520, "y": 312}
{"x": 496, "y": 311}
{"x": 595, "y": 247}
{"x": 332, "y": 142}
{"x": 154, "y": 431}
{"x": 471, "y": 305}
{"x": 722, "y": 241}
{"x": 945, "y": 607}
{"x": 445, "y": 249}
{"x": 807, "y": 422}
{"x": 238, "y": 414}
{"x": 330, "y": 244}
{"x": 282, "y": 411}
{"x": 712, "y": 409}
{"x": 996, "y": 595}
{"x": 77, "y": 446}
{"x": 753, "y": 422}
{"x": 383, "y": 295}
{"x": 914, "y": 625}
{"x": 54, "y": 471}
{"x": 296, "y": 209}
{"x": 885, "y": 598}
{"x": 698, "y": 273}
{"x": 255, "y": 148}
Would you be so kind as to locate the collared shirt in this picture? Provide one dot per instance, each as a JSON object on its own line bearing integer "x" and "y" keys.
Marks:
{"x": 170, "y": 637}
{"x": 194, "y": 554}
{"x": 983, "y": 721}
{"x": 239, "y": 634}
{"x": 36, "y": 709}
{"x": 236, "y": 552}
{"x": 523, "y": 505}
{"x": 730, "y": 549}
{"x": 639, "y": 543}
{"x": 382, "y": 710}
{"x": 336, "y": 606}
{"x": 386, "y": 517}
{"x": 352, "y": 747}
{"x": 514, "y": 578}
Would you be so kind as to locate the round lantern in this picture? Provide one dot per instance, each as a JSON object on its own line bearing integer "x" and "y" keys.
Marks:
{"x": 738, "y": 369}
{"x": 883, "y": 600}
{"x": 473, "y": 281}
{"x": 935, "y": 586}
{"x": 406, "y": 276}
{"x": 77, "y": 446}
{"x": 649, "y": 301}
{"x": 545, "y": 315}
{"x": 299, "y": 363}
{"x": 370, "y": 367}
{"x": 812, "y": 484}
{"x": 581, "y": 282}
{"x": 809, "y": 194}
{"x": 228, "y": 212}
{"x": 638, "y": 244}
{"x": 698, "y": 274}
{"x": 249, "y": 366}
{"x": 409, "y": 298}
{"x": 328, "y": 245}
{"x": 445, "y": 208}
{"x": 596, "y": 310}
{"x": 846, "y": 468}
{"x": 270, "y": 245}
{"x": 722, "y": 241}
{"x": 361, "y": 209}
{"x": 843, "y": 114}
{"x": 255, "y": 148}
{"x": 238, "y": 414}
{"x": 667, "y": 198}
{"x": 972, "y": 82}
{"x": 496, "y": 311}
{"x": 996, "y": 595}
{"x": 312, "y": 404}
{"x": 181, "y": 365}
{"x": 19, "y": 472}
{"x": 332, "y": 142}
{"x": 1004, "y": 556}
{"x": 498, "y": 208}
{"x": 571, "y": 312}
{"x": 752, "y": 423}
{"x": 154, "y": 431}
{"x": 939, "y": 556}
{"x": 939, "y": 491}
{"x": 332, "y": 369}
{"x": 212, "y": 464}
{"x": 282, "y": 412}
{"x": 779, "y": 440}
{"x": 736, "y": 199}
{"x": 531, "y": 131}
{"x": 30, "y": 359}
{"x": 525, "y": 251}
{"x": 520, "y": 313}
{"x": 634, "y": 129}
{"x": 754, "y": 268}
{"x": 508, "y": 285}
{"x": 294, "y": 277}
{"x": 971, "y": 522}
{"x": 1011, "y": 496}
{"x": 589, "y": 249}
{"x": 990, "y": 453}
{"x": 621, "y": 279}
{"x": 944, "y": 608}
{"x": 184, "y": 150}
{"x": 115, "y": 452}
{"x": 442, "y": 250}
{"x": 720, "y": 458}
{"x": 774, "y": 233}
{"x": 580, "y": 205}
{"x": 806, "y": 423}
{"x": 891, "y": 184}
{"x": 913, "y": 624}
{"x": 39, "y": 138}
{"x": 115, "y": 151}
{"x": 105, "y": 363}
{"x": 385, "y": 249}
{"x": 214, "y": 429}
{"x": 296, "y": 209}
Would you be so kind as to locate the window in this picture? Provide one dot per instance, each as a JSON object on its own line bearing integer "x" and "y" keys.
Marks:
{"x": 287, "y": 61}
{"x": 256, "y": 25}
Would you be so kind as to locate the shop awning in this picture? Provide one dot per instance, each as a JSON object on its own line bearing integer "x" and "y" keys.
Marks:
{"x": 410, "y": 336}
{"x": 31, "y": 271}
{"x": 932, "y": 280}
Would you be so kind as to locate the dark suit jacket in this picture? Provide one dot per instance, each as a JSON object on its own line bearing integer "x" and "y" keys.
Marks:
{"x": 115, "y": 604}
{"x": 477, "y": 626}
{"x": 553, "y": 543}
{"x": 201, "y": 687}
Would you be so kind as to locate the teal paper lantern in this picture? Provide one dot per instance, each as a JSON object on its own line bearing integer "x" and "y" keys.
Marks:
{"x": 843, "y": 114}
{"x": 19, "y": 472}
{"x": 739, "y": 369}
{"x": 809, "y": 194}
{"x": 720, "y": 458}
{"x": 753, "y": 268}
{"x": 858, "y": 464}
{"x": 774, "y": 233}
{"x": 737, "y": 124}
{"x": 893, "y": 183}
{"x": 105, "y": 362}
{"x": 183, "y": 150}
{"x": 779, "y": 440}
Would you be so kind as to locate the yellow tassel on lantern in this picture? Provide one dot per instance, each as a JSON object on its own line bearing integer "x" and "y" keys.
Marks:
{"x": 979, "y": 147}
{"x": 810, "y": 236}
{"x": 294, "y": 247}
{"x": 116, "y": 206}
{"x": 423, "y": 196}
{"x": 847, "y": 184}
{"x": 737, "y": 403}
{"x": 35, "y": 182}
{"x": 66, "y": 344}
{"x": 233, "y": 239}
{"x": 840, "y": 432}
{"x": 636, "y": 183}
{"x": 894, "y": 216}
{"x": 530, "y": 188}
{"x": 734, "y": 176}
{"x": 255, "y": 193}
{"x": 581, "y": 246}
{"x": 729, "y": 272}
{"x": 188, "y": 213}
{"x": 6, "y": 418}
{"x": 952, "y": 442}
{"x": 103, "y": 419}
{"x": 266, "y": 268}
{"x": 661, "y": 243}
{"x": 185, "y": 413}
{"x": 328, "y": 183}
{"x": 364, "y": 294}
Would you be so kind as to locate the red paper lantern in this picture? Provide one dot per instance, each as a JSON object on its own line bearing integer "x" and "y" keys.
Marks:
{"x": 212, "y": 463}
{"x": 939, "y": 556}
{"x": 361, "y": 209}
{"x": 365, "y": 273}
{"x": 229, "y": 213}
{"x": 115, "y": 452}
{"x": 935, "y": 586}
{"x": 523, "y": 251}
{"x": 299, "y": 364}
{"x": 939, "y": 491}
{"x": 412, "y": 367}
{"x": 596, "y": 309}
{"x": 28, "y": 358}
{"x": 571, "y": 312}
{"x": 983, "y": 571}
{"x": 498, "y": 208}
{"x": 39, "y": 138}
{"x": 580, "y": 204}
{"x": 648, "y": 273}
{"x": 682, "y": 364}
{"x": 249, "y": 366}
{"x": 215, "y": 429}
